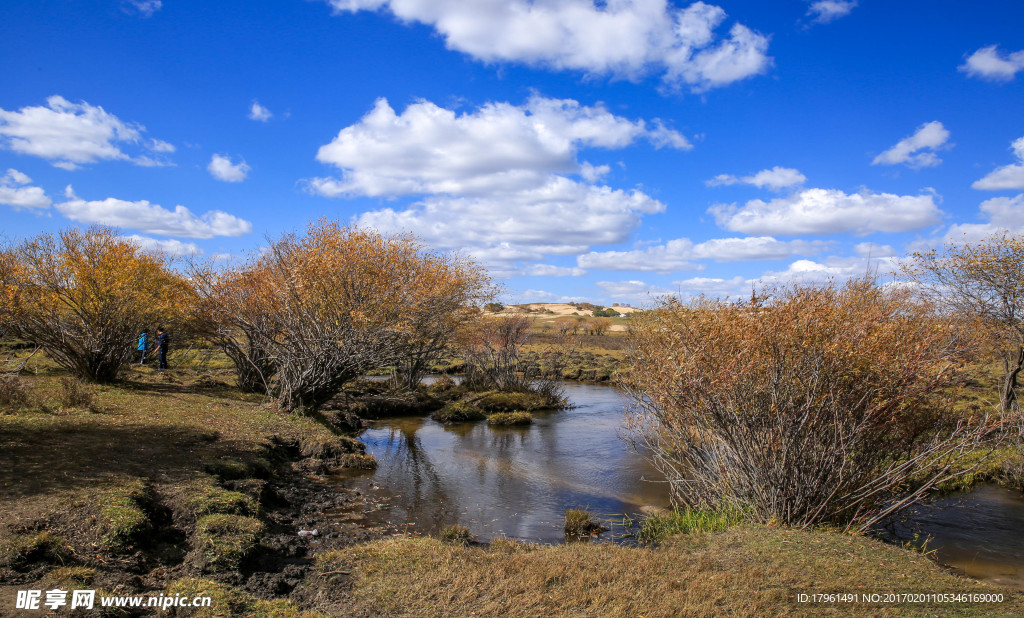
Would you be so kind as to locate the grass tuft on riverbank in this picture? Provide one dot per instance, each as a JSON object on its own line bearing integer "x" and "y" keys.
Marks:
{"x": 661, "y": 525}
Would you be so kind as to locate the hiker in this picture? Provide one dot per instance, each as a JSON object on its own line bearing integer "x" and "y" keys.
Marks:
{"x": 142, "y": 348}
{"x": 163, "y": 341}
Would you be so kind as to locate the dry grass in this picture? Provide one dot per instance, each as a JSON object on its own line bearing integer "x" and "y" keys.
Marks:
{"x": 152, "y": 422}
{"x": 742, "y": 571}
{"x": 56, "y": 462}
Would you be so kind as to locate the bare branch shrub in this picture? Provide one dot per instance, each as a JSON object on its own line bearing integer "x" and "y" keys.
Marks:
{"x": 819, "y": 404}
{"x": 493, "y": 353}
{"x": 984, "y": 279}
{"x": 494, "y": 358}
{"x": 230, "y": 315}
{"x": 84, "y": 296}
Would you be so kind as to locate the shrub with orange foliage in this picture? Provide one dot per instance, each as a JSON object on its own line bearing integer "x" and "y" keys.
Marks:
{"x": 84, "y": 297}
{"x": 808, "y": 405}
{"x": 315, "y": 311}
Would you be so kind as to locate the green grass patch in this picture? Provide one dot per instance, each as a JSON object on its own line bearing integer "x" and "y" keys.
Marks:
{"x": 229, "y": 468}
{"x": 69, "y": 578}
{"x": 226, "y": 601}
{"x": 20, "y": 550}
{"x": 510, "y": 418}
{"x": 580, "y": 523}
{"x": 742, "y": 571}
{"x": 660, "y": 526}
{"x": 125, "y": 520}
{"x": 226, "y": 540}
{"x": 329, "y": 447}
{"x": 456, "y": 535}
{"x": 504, "y": 401}
{"x": 458, "y": 412}
{"x": 358, "y": 461}
{"x": 204, "y": 497}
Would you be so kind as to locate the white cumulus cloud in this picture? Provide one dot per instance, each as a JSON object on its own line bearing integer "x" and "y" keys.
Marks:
{"x": 503, "y": 182}
{"x": 1008, "y": 176}
{"x": 988, "y": 63}
{"x": 830, "y": 211}
{"x": 825, "y": 11}
{"x": 168, "y": 246}
{"x": 152, "y": 218}
{"x": 550, "y": 270}
{"x": 775, "y": 179}
{"x": 682, "y": 254}
{"x": 618, "y": 37}
{"x": 72, "y": 134}
{"x": 719, "y": 287}
{"x": 561, "y": 217}
{"x": 833, "y": 268}
{"x": 918, "y": 150}
{"x": 259, "y": 113}
{"x": 15, "y": 192}
{"x": 222, "y": 168}
{"x": 429, "y": 149}
{"x": 1003, "y": 214}
{"x": 633, "y": 291}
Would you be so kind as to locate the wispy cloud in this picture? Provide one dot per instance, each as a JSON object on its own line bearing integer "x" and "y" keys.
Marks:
{"x": 989, "y": 63}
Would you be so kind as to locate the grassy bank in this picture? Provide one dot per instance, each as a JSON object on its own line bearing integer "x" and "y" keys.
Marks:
{"x": 744, "y": 571}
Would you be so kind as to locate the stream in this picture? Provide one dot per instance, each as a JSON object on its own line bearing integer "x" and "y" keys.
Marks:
{"x": 518, "y": 482}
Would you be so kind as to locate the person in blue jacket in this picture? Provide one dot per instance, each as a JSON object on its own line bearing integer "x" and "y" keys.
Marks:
{"x": 142, "y": 348}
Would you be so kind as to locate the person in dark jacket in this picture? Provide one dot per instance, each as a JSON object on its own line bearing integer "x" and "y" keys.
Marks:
{"x": 142, "y": 348}
{"x": 163, "y": 342}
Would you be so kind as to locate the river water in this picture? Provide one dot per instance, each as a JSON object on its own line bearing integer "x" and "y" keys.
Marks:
{"x": 514, "y": 481}
{"x": 518, "y": 481}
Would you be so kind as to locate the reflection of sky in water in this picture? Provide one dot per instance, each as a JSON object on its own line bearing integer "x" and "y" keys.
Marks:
{"x": 981, "y": 533}
{"x": 514, "y": 481}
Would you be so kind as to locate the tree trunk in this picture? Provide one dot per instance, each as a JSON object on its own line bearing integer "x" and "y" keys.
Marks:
{"x": 1009, "y": 398}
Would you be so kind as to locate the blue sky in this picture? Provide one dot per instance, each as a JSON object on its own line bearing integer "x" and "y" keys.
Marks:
{"x": 581, "y": 150}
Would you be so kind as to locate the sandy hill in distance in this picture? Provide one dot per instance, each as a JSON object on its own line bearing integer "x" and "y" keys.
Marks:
{"x": 559, "y": 310}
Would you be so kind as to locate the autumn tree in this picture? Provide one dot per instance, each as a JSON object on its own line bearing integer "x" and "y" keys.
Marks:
{"x": 983, "y": 279}
{"x": 84, "y": 297}
{"x": 451, "y": 289}
{"x": 231, "y": 314}
{"x": 809, "y": 405}
{"x": 599, "y": 326}
{"x": 315, "y": 311}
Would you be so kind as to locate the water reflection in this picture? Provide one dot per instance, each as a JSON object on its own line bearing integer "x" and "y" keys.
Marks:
{"x": 514, "y": 481}
{"x": 979, "y": 533}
